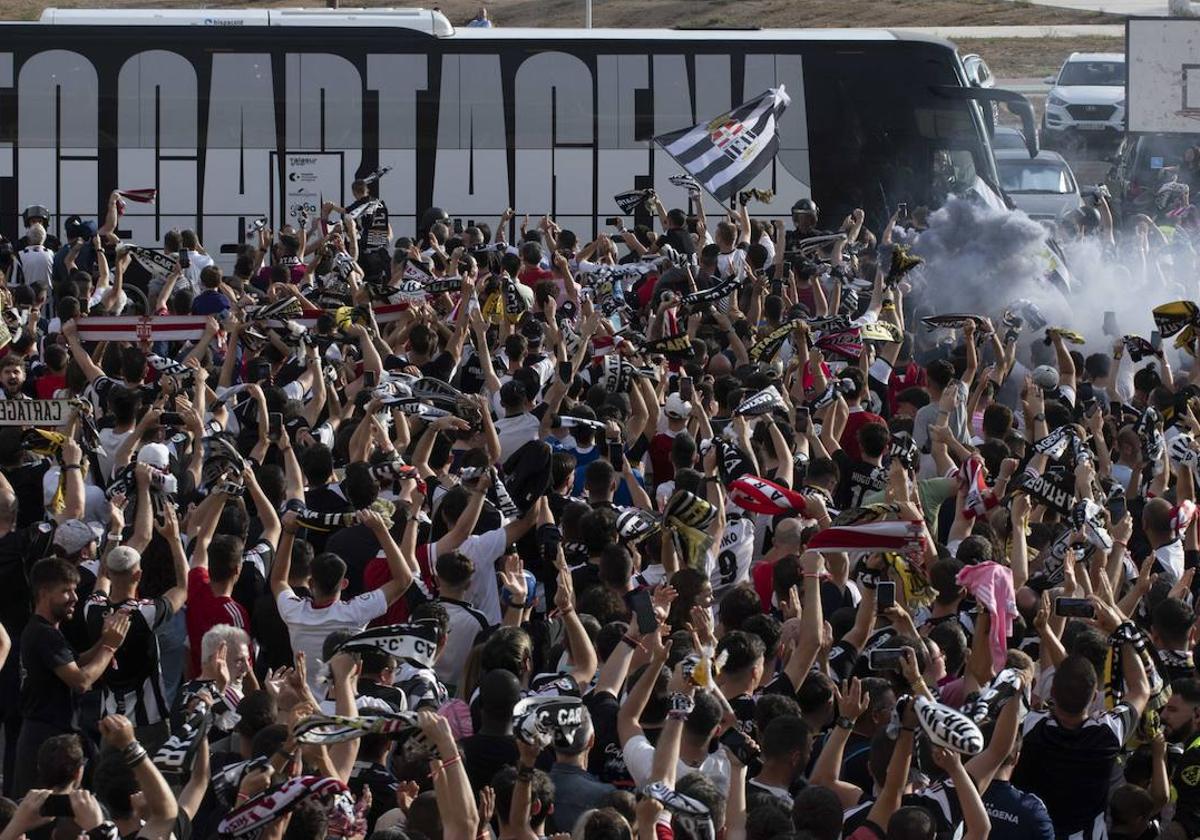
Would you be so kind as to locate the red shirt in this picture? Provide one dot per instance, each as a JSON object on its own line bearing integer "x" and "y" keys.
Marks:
{"x": 911, "y": 375}
{"x": 205, "y": 610}
{"x": 531, "y": 275}
{"x": 854, "y": 422}
{"x": 763, "y": 576}
{"x": 377, "y": 573}
{"x": 46, "y": 385}
{"x": 660, "y": 457}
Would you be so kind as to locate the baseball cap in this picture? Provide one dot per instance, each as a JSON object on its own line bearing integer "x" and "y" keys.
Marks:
{"x": 122, "y": 558}
{"x": 74, "y": 535}
{"x": 677, "y": 407}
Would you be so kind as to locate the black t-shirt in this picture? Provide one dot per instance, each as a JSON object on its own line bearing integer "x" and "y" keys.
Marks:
{"x": 679, "y": 239}
{"x": 440, "y": 366}
{"x": 858, "y": 479}
{"x": 1071, "y": 768}
{"x": 485, "y": 755}
{"x": 44, "y": 697}
{"x": 26, "y": 481}
{"x": 606, "y": 761}
{"x": 325, "y": 499}
{"x": 357, "y": 546}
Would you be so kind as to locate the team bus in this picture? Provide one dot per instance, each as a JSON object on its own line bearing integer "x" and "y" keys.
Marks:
{"x": 233, "y": 115}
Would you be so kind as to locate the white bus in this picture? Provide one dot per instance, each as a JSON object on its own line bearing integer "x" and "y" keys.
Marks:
{"x": 237, "y": 114}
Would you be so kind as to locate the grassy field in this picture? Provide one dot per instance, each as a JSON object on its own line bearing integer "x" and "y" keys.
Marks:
{"x": 706, "y": 13}
{"x": 1024, "y": 58}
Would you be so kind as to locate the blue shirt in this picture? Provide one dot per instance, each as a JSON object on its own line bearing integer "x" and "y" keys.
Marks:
{"x": 210, "y": 302}
{"x": 622, "y": 498}
{"x": 1015, "y": 814}
{"x": 575, "y": 791}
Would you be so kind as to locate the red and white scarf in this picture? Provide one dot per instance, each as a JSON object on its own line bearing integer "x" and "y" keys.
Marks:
{"x": 142, "y": 328}
{"x": 758, "y": 495}
{"x": 900, "y": 536}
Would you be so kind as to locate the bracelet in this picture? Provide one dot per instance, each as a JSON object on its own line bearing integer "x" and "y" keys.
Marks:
{"x": 1121, "y": 543}
{"x": 242, "y": 797}
{"x": 447, "y": 763}
{"x": 524, "y": 774}
{"x": 633, "y": 643}
{"x": 918, "y": 686}
{"x": 133, "y": 754}
{"x": 818, "y": 575}
{"x": 71, "y": 467}
{"x": 115, "y": 537}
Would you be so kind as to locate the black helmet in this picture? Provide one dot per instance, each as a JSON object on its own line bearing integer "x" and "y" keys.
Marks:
{"x": 805, "y": 206}
{"x": 35, "y": 211}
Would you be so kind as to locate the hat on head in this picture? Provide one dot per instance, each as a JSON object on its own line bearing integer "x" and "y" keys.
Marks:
{"x": 74, "y": 535}
{"x": 122, "y": 559}
{"x": 677, "y": 407}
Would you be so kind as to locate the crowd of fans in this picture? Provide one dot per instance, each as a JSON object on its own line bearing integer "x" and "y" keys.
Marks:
{"x": 504, "y": 534}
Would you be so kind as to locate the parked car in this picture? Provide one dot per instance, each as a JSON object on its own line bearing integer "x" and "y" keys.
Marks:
{"x": 1044, "y": 186}
{"x": 1086, "y": 100}
{"x": 1007, "y": 137}
{"x": 1138, "y": 169}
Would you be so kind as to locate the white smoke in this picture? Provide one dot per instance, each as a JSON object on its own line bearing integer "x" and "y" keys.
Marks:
{"x": 980, "y": 260}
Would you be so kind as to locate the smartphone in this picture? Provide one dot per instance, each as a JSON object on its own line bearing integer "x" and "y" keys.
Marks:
{"x": 458, "y": 226}
{"x": 171, "y": 418}
{"x": 184, "y": 259}
{"x": 57, "y": 805}
{"x": 1074, "y": 608}
{"x": 613, "y": 221}
{"x": 777, "y": 287}
{"x": 885, "y": 660}
{"x": 274, "y": 425}
{"x": 1117, "y": 508}
{"x": 643, "y": 610}
{"x": 902, "y": 210}
{"x": 1156, "y": 340}
{"x": 616, "y": 454}
{"x": 565, "y": 372}
{"x": 802, "y": 418}
{"x": 885, "y": 595}
{"x": 741, "y": 747}
{"x": 686, "y": 389}
{"x": 370, "y": 379}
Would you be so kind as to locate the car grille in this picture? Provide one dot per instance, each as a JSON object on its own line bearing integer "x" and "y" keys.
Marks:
{"x": 1091, "y": 112}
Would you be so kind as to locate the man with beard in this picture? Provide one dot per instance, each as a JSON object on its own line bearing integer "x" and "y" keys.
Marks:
{"x": 12, "y": 378}
{"x": 52, "y": 675}
{"x": 1181, "y": 725}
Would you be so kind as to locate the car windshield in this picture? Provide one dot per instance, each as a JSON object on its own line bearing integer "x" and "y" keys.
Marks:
{"x": 1017, "y": 176}
{"x": 1105, "y": 73}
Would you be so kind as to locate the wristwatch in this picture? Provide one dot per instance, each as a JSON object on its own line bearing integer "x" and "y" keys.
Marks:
{"x": 1039, "y": 416}
{"x": 844, "y": 722}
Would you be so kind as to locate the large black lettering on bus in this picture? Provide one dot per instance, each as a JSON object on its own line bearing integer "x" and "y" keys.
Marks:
{"x": 233, "y": 124}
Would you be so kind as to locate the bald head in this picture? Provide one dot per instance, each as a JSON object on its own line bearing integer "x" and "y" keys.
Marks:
{"x": 719, "y": 365}
{"x": 787, "y": 534}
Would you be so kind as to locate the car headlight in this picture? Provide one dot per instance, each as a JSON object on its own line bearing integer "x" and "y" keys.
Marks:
{"x": 1056, "y": 101}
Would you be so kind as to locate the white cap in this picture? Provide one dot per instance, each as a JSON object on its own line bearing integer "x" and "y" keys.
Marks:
{"x": 156, "y": 455}
{"x": 122, "y": 558}
{"x": 1045, "y": 377}
{"x": 677, "y": 407}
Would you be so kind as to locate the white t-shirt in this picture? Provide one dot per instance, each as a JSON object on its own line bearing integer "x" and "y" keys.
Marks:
{"x": 197, "y": 262}
{"x": 309, "y": 626}
{"x": 484, "y": 550}
{"x": 639, "y": 760}
{"x": 111, "y": 440}
{"x": 516, "y": 431}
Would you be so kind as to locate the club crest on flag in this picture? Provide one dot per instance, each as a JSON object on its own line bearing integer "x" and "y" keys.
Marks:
{"x": 733, "y": 137}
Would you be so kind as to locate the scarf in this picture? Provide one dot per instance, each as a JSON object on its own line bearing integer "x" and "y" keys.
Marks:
{"x": 686, "y": 516}
{"x": 316, "y": 520}
{"x": 765, "y": 348}
{"x": 847, "y": 344}
{"x": 1114, "y": 674}
{"x": 697, "y": 300}
{"x": 138, "y": 328}
{"x": 145, "y": 196}
{"x": 1069, "y": 336}
{"x": 1055, "y": 488}
{"x": 732, "y": 462}
{"x": 951, "y": 322}
{"x": 992, "y": 587}
{"x": 1138, "y": 348}
{"x": 416, "y": 643}
{"x": 687, "y": 182}
{"x": 1179, "y": 318}
{"x": 764, "y": 402}
{"x": 175, "y": 757}
{"x": 632, "y": 201}
{"x": 978, "y": 501}
{"x": 158, "y": 265}
{"x": 900, "y": 262}
{"x": 336, "y": 729}
{"x": 758, "y": 495}
{"x": 254, "y": 815}
{"x": 1055, "y": 444}
{"x": 902, "y": 537}
{"x": 635, "y": 525}
{"x": 692, "y": 816}
{"x": 677, "y": 346}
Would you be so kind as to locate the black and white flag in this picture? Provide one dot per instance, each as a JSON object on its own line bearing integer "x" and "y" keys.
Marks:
{"x": 727, "y": 153}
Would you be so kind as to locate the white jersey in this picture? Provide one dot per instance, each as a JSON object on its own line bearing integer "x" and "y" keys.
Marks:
{"x": 34, "y": 264}
{"x": 734, "y": 554}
